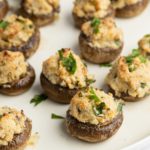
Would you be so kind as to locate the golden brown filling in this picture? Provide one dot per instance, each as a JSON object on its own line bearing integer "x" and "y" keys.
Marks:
{"x": 11, "y": 122}
{"x": 130, "y": 75}
{"x": 91, "y": 8}
{"x": 15, "y": 30}
{"x": 94, "y": 106}
{"x": 122, "y": 3}
{"x": 144, "y": 44}
{"x": 66, "y": 69}
{"x": 41, "y": 7}
{"x": 12, "y": 66}
{"x": 103, "y": 33}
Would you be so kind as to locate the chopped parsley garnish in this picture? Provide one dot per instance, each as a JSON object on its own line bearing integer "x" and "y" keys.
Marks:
{"x": 37, "y": 99}
{"x": 68, "y": 62}
{"x": 106, "y": 65}
{"x": 143, "y": 85}
{"x": 1, "y": 116}
{"x": 93, "y": 95}
{"x": 142, "y": 59}
{"x": 54, "y": 116}
{"x": 3, "y": 24}
{"x": 99, "y": 109}
{"x": 90, "y": 81}
{"x": 147, "y": 35}
{"x": 135, "y": 53}
{"x": 117, "y": 42}
{"x": 95, "y": 25}
{"x": 120, "y": 107}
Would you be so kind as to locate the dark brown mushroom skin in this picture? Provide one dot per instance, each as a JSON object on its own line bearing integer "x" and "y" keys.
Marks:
{"x": 79, "y": 21}
{"x": 56, "y": 92}
{"x": 132, "y": 10}
{"x": 19, "y": 140}
{"x": 20, "y": 86}
{"x": 39, "y": 20}
{"x": 28, "y": 48}
{"x": 3, "y": 8}
{"x": 97, "y": 55}
{"x": 92, "y": 133}
{"x": 125, "y": 96}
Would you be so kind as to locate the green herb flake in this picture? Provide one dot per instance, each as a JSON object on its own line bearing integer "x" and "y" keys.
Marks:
{"x": 3, "y": 24}
{"x": 120, "y": 107}
{"x": 135, "y": 53}
{"x": 93, "y": 95}
{"x": 90, "y": 81}
{"x": 37, "y": 99}
{"x": 147, "y": 35}
{"x": 143, "y": 85}
{"x": 106, "y": 65}
{"x": 143, "y": 59}
{"x": 68, "y": 62}
{"x": 99, "y": 109}
{"x": 54, "y": 116}
{"x": 1, "y": 116}
{"x": 95, "y": 25}
{"x": 117, "y": 42}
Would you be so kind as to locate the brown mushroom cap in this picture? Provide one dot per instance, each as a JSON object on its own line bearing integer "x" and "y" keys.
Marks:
{"x": 3, "y": 8}
{"x": 19, "y": 140}
{"x": 21, "y": 86}
{"x": 28, "y": 48}
{"x": 79, "y": 21}
{"x": 132, "y": 10}
{"x": 93, "y": 133}
{"x": 56, "y": 92}
{"x": 39, "y": 20}
{"x": 95, "y": 54}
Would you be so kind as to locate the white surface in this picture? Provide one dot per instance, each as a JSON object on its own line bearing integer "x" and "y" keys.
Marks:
{"x": 52, "y": 133}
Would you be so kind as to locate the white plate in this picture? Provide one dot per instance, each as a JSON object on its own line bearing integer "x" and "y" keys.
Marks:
{"x": 62, "y": 34}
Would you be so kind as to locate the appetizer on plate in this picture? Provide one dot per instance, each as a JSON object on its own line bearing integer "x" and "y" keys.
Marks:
{"x": 86, "y": 10}
{"x": 3, "y": 8}
{"x": 63, "y": 75}
{"x": 129, "y": 8}
{"x": 42, "y": 12}
{"x": 101, "y": 41}
{"x": 129, "y": 78}
{"x": 19, "y": 34}
{"x": 144, "y": 45}
{"x": 16, "y": 75}
{"x": 15, "y": 129}
{"x": 94, "y": 116}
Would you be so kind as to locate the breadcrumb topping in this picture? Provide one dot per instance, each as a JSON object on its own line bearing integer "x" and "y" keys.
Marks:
{"x": 17, "y": 31}
{"x": 105, "y": 35}
{"x": 12, "y": 66}
{"x": 91, "y": 8}
{"x": 41, "y": 7}
{"x": 94, "y": 106}
{"x": 117, "y": 4}
{"x": 132, "y": 79}
{"x": 12, "y": 122}
{"x": 55, "y": 71}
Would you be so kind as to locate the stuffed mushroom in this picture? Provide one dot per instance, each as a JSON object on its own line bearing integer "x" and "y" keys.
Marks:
{"x": 129, "y": 8}
{"x": 86, "y": 10}
{"x": 15, "y": 129}
{"x": 101, "y": 41}
{"x": 16, "y": 75}
{"x": 94, "y": 116}
{"x": 129, "y": 78}
{"x": 63, "y": 75}
{"x": 144, "y": 45}
{"x": 42, "y": 12}
{"x": 3, "y": 8}
{"x": 19, "y": 34}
